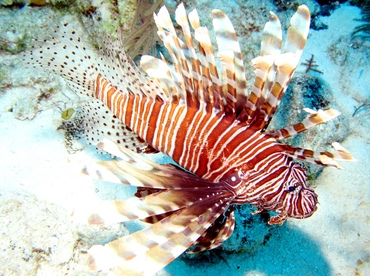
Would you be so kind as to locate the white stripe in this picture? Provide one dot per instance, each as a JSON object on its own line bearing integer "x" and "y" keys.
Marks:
{"x": 187, "y": 142}
{"x": 148, "y": 109}
{"x": 134, "y": 115}
{"x": 171, "y": 129}
{"x": 195, "y": 153}
{"x": 175, "y": 132}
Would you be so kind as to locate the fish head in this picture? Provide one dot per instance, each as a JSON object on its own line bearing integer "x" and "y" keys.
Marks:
{"x": 297, "y": 199}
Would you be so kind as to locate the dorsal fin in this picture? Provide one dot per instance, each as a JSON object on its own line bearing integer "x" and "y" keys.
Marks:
{"x": 234, "y": 84}
{"x": 158, "y": 70}
{"x": 195, "y": 75}
{"x": 212, "y": 87}
{"x": 174, "y": 45}
{"x": 120, "y": 70}
{"x": 190, "y": 54}
{"x": 265, "y": 69}
{"x": 274, "y": 69}
{"x": 195, "y": 78}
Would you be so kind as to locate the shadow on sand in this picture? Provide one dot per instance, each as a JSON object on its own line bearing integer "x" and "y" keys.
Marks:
{"x": 288, "y": 252}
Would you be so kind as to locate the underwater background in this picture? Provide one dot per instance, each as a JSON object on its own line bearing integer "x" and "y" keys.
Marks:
{"x": 42, "y": 157}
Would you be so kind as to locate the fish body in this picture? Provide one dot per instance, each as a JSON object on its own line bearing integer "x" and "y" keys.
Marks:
{"x": 204, "y": 118}
{"x": 217, "y": 147}
{"x": 208, "y": 143}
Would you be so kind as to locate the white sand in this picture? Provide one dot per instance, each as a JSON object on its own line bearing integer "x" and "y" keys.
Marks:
{"x": 41, "y": 184}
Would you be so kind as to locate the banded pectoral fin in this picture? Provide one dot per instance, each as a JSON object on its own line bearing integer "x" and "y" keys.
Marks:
{"x": 217, "y": 233}
{"x": 149, "y": 250}
{"x": 156, "y": 205}
{"x": 164, "y": 188}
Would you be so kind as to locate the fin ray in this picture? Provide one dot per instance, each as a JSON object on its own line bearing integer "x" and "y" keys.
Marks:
{"x": 315, "y": 118}
{"x": 160, "y": 243}
{"x": 272, "y": 79}
{"x": 324, "y": 158}
{"x": 233, "y": 72}
{"x": 136, "y": 170}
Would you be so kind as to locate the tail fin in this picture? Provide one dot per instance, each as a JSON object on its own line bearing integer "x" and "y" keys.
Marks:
{"x": 66, "y": 55}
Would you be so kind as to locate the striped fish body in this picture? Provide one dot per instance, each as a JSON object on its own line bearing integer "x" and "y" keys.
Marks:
{"x": 205, "y": 120}
{"x": 209, "y": 144}
{"x": 217, "y": 147}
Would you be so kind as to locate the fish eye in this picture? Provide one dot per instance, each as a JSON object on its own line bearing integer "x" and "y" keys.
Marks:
{"x": 291, "y": 188}
{"x": 232, "y": 179}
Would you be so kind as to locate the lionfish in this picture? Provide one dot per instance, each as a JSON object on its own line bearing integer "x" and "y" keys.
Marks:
{"x": 202, "y": 117}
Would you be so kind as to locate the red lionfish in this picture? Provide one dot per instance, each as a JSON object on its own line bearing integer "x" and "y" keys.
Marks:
{"x": 205, "y": 120}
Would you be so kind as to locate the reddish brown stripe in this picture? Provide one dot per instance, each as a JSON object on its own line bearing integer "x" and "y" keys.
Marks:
{"x": 284, "y": 132}
{"x": 202, "y": 159}
{"x": 172, "y": 131}
{"x": 127, "y": 120}
{"x": 211, "y": 140}
{"x": 152, "y": 122}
